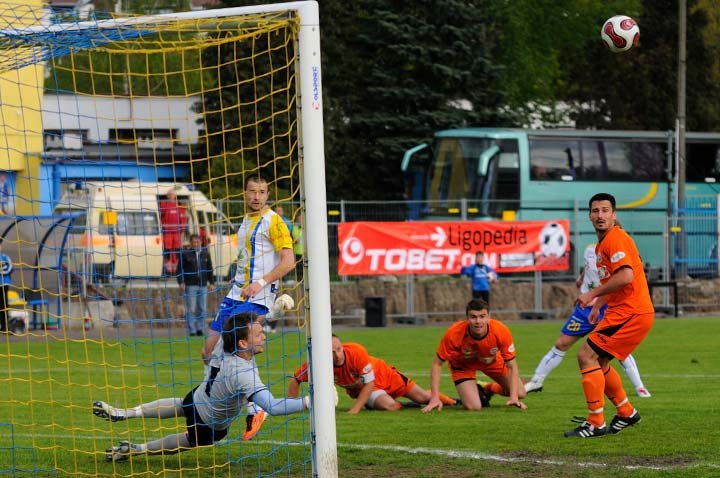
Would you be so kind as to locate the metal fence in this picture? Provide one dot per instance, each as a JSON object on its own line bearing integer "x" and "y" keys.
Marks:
{"x": 695, "y": 269}
{"x": 655, "y": 232}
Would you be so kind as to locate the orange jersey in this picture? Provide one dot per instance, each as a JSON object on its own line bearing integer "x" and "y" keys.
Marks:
{"x": 487, "y": 354}
{"x": 360, "y": 368}
{"x": 616, "y": 250}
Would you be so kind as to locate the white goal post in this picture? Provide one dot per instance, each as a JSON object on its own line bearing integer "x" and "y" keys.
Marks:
{"x": 311, "y": 149}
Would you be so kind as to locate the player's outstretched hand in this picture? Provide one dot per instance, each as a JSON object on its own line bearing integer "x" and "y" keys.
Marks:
{"x": 433, "y": 404}
{"x": 516, "y": 403}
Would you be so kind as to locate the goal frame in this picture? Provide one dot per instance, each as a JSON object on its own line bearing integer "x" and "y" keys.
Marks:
{"x": 311, "y": 149}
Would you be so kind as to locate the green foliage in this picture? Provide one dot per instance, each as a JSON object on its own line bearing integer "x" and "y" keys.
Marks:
{"x": 391, "y": 71}
{"x": 540, "y": 43}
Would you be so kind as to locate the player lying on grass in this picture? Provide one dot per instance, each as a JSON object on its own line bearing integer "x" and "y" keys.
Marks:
{"x": 369, "y": 380}
{"x": 210, "y": 408}
{"x": 477, "y": 343}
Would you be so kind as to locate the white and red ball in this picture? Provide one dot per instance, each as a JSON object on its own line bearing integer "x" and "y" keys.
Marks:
{"x": 620, "y": 33}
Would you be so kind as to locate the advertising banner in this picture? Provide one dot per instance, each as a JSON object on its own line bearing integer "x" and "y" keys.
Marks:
{"x": 373, "y": 248}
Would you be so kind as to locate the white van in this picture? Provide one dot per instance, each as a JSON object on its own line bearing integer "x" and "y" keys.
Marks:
{"x": 116, "y": 230}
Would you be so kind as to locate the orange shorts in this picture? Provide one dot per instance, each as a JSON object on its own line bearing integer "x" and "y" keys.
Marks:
{"x": 393, "y": 382}
{"x": 494, "y": 371}
{"x": 619, "y": 335}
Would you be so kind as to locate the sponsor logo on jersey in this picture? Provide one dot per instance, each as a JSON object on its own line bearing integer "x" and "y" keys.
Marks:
{"x": 617, "y": 257}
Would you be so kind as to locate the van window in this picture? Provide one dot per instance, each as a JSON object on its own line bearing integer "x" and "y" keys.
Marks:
{"x": 137, "y": 224}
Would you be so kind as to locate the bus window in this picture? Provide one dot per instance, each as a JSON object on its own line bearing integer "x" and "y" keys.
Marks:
{"x": 623, "y": 160}
{"x": 596, "y": 159}
{"x": 703, "y": 162}
{"x": 554, "y": 159}
{"x": 454, "y": 172}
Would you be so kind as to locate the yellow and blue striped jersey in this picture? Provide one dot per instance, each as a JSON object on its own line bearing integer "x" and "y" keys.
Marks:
{"x": 261, "y": 237}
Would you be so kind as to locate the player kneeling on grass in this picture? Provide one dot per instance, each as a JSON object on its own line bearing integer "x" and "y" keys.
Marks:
{"x": 369, "y": 380}
{"x": 210, "y": 408}
{"x": 477, "y": 343}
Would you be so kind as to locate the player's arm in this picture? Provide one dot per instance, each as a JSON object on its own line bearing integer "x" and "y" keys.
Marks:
{"x": 514, "y": 383}
{"x": 597, "y": 305}
{"x": 300, "y": 375}
{"x": 617, "y": 281}
{"x": 278, "y": 406}
{"x": 210, "y": 343}
{"x": 293, "y": 389}
{"x": 579, "y": 280}
{"x": 287, "y": 263}
{"x": 363, "y": 397}
{"x": 435, "y": 372}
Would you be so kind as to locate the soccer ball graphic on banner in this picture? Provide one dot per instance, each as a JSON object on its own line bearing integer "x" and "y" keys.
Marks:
{"x": 620, "y": 33}
{"x": 553, "y": 241}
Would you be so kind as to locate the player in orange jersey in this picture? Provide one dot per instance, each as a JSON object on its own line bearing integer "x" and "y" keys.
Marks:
{"x": 628, "y": 319}
{"x": 477, "y": 343}
{"x": 369, "y": 380}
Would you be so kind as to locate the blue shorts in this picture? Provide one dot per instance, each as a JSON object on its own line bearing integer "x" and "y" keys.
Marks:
{"x": 578, "y": 324}
{"x": 230, "y": 307}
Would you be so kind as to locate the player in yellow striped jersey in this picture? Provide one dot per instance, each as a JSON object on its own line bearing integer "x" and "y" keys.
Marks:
{"x": 265, "y": 256}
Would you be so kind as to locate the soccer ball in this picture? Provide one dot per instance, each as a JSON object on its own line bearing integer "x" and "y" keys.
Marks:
{"x": 620, "y": 33}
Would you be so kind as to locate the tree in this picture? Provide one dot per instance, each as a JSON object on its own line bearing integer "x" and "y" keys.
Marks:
{"x": 392, "y": 70}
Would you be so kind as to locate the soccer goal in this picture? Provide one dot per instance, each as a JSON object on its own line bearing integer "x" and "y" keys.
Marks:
{"x": 104, "y": 118}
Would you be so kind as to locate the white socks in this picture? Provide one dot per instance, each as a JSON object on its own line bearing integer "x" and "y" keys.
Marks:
{"x": 547, "y": 364}
{"x": 631, "y": 370}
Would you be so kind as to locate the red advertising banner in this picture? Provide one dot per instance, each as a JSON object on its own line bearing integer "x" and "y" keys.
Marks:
{"x": 370, "y": 248}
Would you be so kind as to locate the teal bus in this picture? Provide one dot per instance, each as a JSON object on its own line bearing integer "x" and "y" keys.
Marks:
{"x": 523, "y": 174}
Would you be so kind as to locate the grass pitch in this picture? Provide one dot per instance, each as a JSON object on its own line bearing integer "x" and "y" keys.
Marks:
{"x": 46, "y": 428}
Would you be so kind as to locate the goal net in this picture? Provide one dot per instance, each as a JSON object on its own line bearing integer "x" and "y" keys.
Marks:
{"x": 124, "y": 142}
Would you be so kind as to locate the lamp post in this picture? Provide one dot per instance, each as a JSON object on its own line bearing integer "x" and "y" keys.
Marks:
{"x": 681, "y": 266}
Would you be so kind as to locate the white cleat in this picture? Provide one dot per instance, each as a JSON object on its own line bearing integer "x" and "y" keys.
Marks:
{"x": 107, "y": 412}
{"x": 533, "y": 387}
{"x": 643, "y": 392}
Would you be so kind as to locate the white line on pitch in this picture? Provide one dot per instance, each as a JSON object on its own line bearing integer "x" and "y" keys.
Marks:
{"x": 469, "y": 455}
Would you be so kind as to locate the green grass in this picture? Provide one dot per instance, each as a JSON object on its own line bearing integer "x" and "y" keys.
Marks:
{"x": 47, "y": 387}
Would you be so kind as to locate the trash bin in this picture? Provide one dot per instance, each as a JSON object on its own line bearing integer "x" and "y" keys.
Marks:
{"x": 375, "y": 314}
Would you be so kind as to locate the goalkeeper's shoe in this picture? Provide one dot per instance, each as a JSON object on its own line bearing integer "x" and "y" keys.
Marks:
{"x": 122, "y": 452}
{"x": 253, "y": 424}
{"x": 587, "y": 430}
{"x": 619, "y": 423}
{"x": 107, "y": 412}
